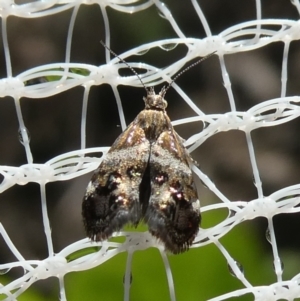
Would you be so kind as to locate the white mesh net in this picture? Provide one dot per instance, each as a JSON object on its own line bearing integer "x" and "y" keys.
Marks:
{"x": 240, "y": 133}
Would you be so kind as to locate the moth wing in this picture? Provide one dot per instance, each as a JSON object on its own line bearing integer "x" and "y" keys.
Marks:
{"x": 112, "y": 196}
{"x": 173, "y": 214}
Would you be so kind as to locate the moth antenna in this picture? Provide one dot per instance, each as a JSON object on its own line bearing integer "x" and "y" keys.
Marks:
{"x": 123, "y": 61}
{"x": 187, "y": 68}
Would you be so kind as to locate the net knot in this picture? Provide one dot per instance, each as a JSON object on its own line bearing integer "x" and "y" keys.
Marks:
{"x": 12, "y": 86}
{"x": 52, "y": 266}
{"x": 266, "y": 207}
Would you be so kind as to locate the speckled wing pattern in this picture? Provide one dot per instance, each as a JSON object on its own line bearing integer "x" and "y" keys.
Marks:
{"x": 112, "y": 198}
{"x": 145, "y": 176}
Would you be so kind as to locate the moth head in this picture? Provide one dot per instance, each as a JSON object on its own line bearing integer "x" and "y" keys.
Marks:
{"x": 155, "y": 101}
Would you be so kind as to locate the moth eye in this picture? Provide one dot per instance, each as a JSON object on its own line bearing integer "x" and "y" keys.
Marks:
{"x": 161, "y": 178}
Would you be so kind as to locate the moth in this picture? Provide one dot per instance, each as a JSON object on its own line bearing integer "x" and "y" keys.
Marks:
{"x": 145, "y": 176}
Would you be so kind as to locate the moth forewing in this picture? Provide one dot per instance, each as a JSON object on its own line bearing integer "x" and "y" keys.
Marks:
{"x": 112, "y": 197}
{"x": 173, "y": 214}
